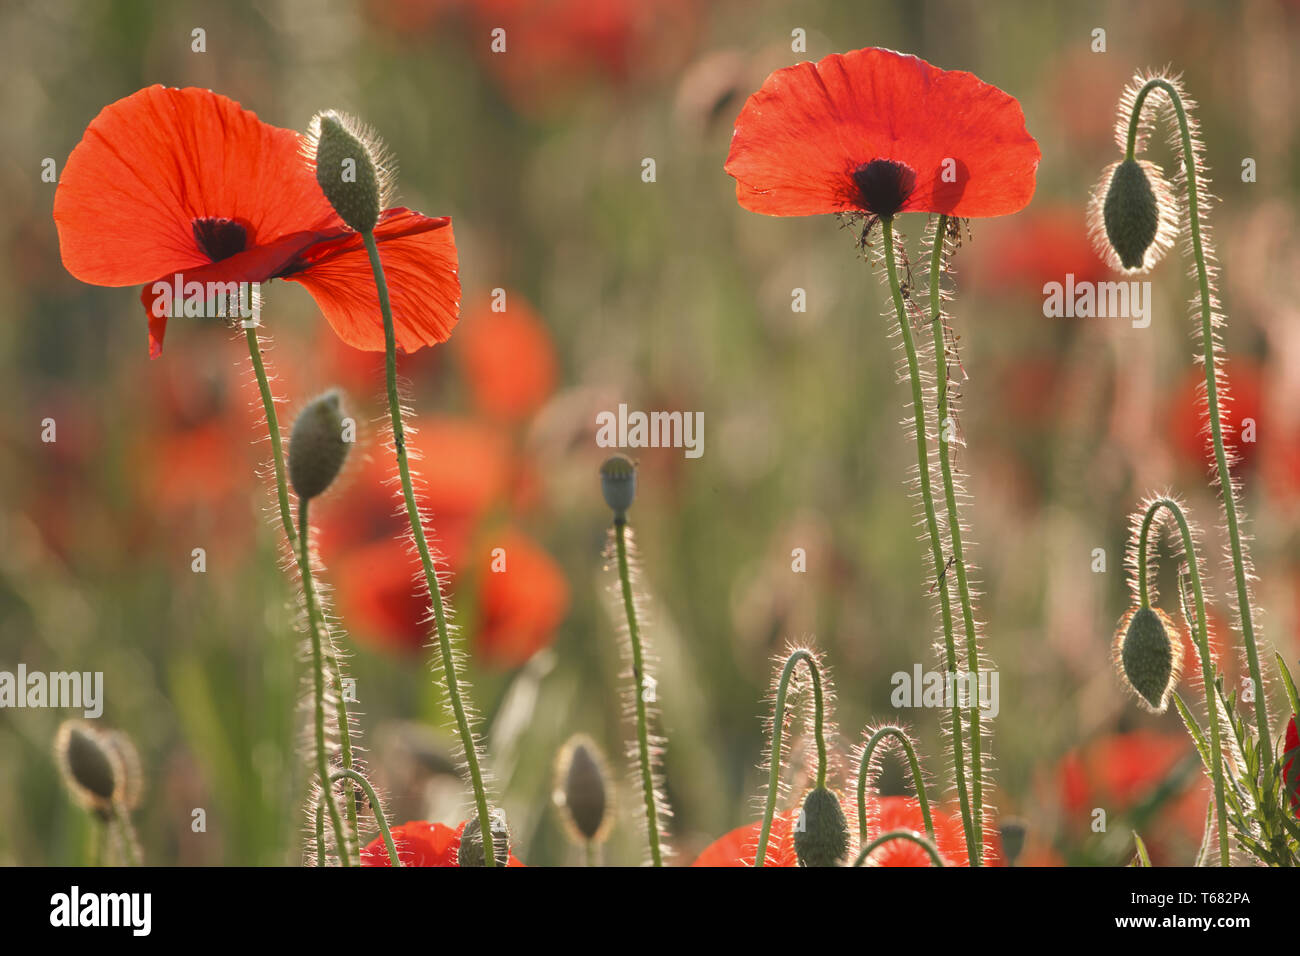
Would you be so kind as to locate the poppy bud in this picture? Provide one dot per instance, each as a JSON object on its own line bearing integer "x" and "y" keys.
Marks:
{"x": 1291, "y": 766}
{"x": 470, "y": 852}
{"x": 316, "y": 447}
{"x": 90, "y": 765}
{"x": 347, "y": 171}
{"x": 821, "y": 836}
{"x": 1012, "y": 832}
{"x": 1148, "y": 658}
{"x": 618, "y": 484}
{"x": 1131, "y": 213}
{"x": 582, "y": 788}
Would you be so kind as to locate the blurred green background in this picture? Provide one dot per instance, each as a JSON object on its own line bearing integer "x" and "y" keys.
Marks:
{"x": 663, "y": 295}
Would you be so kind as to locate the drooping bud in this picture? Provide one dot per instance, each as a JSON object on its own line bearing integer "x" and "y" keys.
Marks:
{"x": 90, "y": 765}
{"x": 1149, "y": 659}
{"x": 470, "y": 852}
{"x": 582, "y": 789}
{"x": 318, "y": 446}
{"x": 349, "y": 168}
{"x": 618, "y": 484}
{"x": 821, "y": 833}
{"x": 1132, "y": 215}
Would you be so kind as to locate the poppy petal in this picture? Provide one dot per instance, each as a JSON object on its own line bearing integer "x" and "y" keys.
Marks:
{"x": 800, "y": 139}
{"x": 419, "y": 257}
{"x": 150, "y": 164}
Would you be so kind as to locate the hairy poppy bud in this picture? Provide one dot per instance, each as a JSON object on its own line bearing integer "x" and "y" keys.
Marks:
{"x": 1131, "y": 216}
{"x": 582, "y": 789}
{"x": 347, "y": 169}
{"x": 618, "y": 484}
{"x": 470, "y": 852}
{"x": 317, "y": 448}
{"x": 821, "y": 835}
{"x": 91, "y": 766}
{"x": 1149, "y": 659}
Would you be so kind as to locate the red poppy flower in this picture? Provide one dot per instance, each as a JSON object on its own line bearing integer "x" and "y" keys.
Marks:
{"x": 739, "y": 847}
{"x": 185, "y": 181}
{"x": 509, "y": 360}
{"x": 879, "y": 132}
{"x": 1242, "y": 405}
{"x": 420, "y": 843}
{"x": 904, "y": 813}
{"x": 1043, "y": 246}
{"x": 1291, "y": 769}
{"x": 521, "y": 606}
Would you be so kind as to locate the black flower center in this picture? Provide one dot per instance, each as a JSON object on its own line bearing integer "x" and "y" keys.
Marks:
{"x": 219, "y": 238}
{"x": 883, "y": 186}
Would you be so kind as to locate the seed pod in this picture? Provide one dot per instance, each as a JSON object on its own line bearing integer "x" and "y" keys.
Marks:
{"x": 316, "y": 448}
{"x": 618, "y": 484}
{"x": 470, "y": 852}
{"x": 1012, "y": 832}
{"x": 90, "y": 765}
{"x": 1148, "y": 658}
{"x": 821, "y": 836}
{"x": 349, "y": 172}
{"x": 582, "y": 789}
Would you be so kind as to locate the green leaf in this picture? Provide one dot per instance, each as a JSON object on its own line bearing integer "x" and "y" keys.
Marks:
{"x": 1142, "y": 858}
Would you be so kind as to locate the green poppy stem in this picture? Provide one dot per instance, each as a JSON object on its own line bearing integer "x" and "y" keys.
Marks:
{"x": 430, "y": 573}
{"x": 290, "y": 533}
{"x": 638, "y": 689}
{"x": 380, "y": 818}
{"x": 884, "y": 838}
{"x": 1202, "y": 646}
{"x": 801, "y": 656}
{"x": 973, "y": 837}
{"x": 955, "y": 535}
{"x": 314, "y": 625}
{"x": 918, "y": 783}
{"x": 1212, "y": 395}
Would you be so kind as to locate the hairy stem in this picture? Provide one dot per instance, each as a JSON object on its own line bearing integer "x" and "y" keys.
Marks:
{"x": 884, "y": 838}
{"x": 426, "y": 560}
{"x": 638, "y": 676}
{"x": 973, "y": 838}
{"x": 380, "y": 818}
{"x": 1202, "y": 646}
{"x": 778, "y": 733}
{"x": 917, "y": 782}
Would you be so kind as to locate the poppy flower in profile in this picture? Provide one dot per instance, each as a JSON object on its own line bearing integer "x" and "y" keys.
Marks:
{"x": 879, "y": 132}
{"x": 509, "y": 360}
{"x": 739, "y": 847}
{"x": 169, "y": 182}
{"x": 420, "y": 843}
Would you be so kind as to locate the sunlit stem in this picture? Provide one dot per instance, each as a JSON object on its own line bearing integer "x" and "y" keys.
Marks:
{"x": 380, "y": 818}
{"x": 918, "y": 783}
{"x": 314, "y": 627}
{"x": 1202, "y": 646}
{"x": 286, "y": 520}
{"x": 973, "y": 837}
{"x": 426, "y": 560}
{"x": 801, "y": 656}
{"x": 130, "y": 845}
{"x": 908, "y": 835}
{"x": 1212, "y": 396}
{"x": 954, "y": 533}
{"x": 638, "y": 695}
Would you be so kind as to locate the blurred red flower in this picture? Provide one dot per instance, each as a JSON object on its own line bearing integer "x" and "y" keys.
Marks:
{"x": 520, "y": 606}
{"x": 509, "y": 360}
{"x": 879, "y": 132}
{"x": 904, "y": 813}
{"x": 1189, "y": 418}
{"x": 739, "y": 847}
{"x": 1043, "y": 246}
{"x": 208, "y": 191}
{"x": 420, "y": 843}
